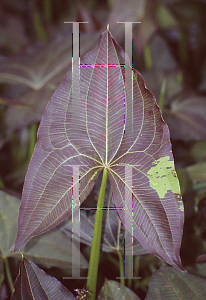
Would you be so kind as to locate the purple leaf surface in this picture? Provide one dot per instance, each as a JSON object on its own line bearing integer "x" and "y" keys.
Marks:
{"x": 201, "y": 258}
{"x": 33, "y": 283}
{"x": 102, "y": 137}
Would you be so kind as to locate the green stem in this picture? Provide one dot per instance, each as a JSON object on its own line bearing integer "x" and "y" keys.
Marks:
{"x": 8, "y": 274}
{"x": 183, "y": 47}
{"x": 96, "y": 241}
{"x": 113, "y": 260}
{"x": 136, "y": 269}
{"x": 47, "y": 10}
{"x": 121, "y": 264}
{"x": 33, "y": 134}
{"x": 129, "y": 281}
{"x": 162, "y": 95}
{"x": 40, "y": 31}
{"x": 147, "y": 57}
{"x": 2, "y": 185}
{"x": 121, "y": 257}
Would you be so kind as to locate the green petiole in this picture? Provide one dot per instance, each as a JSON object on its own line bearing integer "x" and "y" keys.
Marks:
{"x": 95, "y": 250}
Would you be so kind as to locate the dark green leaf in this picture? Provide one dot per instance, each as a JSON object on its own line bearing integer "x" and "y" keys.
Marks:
{"x": 1, "y": 272}
{"x": 187, "y": 119}
{"x": 161, "y": 56}
{"x": 171, "y": 284}
{"x": 198, "y": 151}
{"x": 154, "y": 79}
{"x": 35, "y": 102}
{"x": 113, "y": 290}
{"x": 197, "y": 172}
{"x": 9, "y": 207}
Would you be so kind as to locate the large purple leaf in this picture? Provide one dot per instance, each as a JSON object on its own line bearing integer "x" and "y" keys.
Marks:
{"x": 33, "y": 283}
{"x": 100, "y": 138}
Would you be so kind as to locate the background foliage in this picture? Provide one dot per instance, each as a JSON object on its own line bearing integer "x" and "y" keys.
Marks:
{"x": 35, "y": 54}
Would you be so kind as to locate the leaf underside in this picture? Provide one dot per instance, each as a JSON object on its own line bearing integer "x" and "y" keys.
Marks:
{"x": 96, "y": 127}
{"x": 33, "y": 283}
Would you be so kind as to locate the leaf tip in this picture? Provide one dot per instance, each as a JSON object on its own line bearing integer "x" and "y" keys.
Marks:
{"x": 201, "y": 258}
{"x": 16, "y": 248}
{"x": 19, "y": 244}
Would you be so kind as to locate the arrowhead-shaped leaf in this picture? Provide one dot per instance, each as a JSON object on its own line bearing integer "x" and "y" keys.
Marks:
{"x": 102, "y": 137}
{"x": 33, "y": 283}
